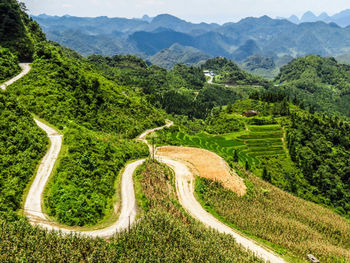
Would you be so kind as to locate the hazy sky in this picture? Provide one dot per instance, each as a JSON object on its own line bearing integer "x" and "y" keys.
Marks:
{"x": 192, "y": 10}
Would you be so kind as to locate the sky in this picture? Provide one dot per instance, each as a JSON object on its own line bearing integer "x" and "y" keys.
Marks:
{"x": 218, "y": 11}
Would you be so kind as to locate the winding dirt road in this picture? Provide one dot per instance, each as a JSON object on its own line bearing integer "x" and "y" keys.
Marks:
{"x": 184, "y": 185}
{"x": 25, "y": 70}
{"x": 185, "y": 190}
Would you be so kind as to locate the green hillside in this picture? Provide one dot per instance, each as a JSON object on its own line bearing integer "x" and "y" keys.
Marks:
{"x": 18, "y": 31}
{"x": 177, "y": 54}
{"x": 180, "y": 91}
{"x": 8, "y": 65}
{"x": 227, "y": 72}
{"x": 22, "y": 145}
{"x": 317, "y": 82}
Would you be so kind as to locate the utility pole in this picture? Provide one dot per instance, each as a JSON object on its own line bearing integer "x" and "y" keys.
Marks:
{"x": 153, "y": 147}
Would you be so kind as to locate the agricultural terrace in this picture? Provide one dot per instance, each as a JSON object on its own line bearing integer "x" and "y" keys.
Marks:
{"x": 249, "y": 146}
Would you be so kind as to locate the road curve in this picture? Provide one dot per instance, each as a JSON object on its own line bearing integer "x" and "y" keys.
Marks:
{"x": 25, "y": 70}
{"x": 33, "y": 203}
{"x": 185, "y": 190}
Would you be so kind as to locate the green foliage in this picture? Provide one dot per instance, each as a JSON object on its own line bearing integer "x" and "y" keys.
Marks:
{"x": 18, "y": 31}
{"x": 290, "y": 225}
{"x": 229, "y": 73}
{"x": 320, "y": 83}
{"x": 320, "y": 146}
{"x": 61, "y": 89}
{"x": 22, "y": 145}
{"x": 8, "y": 64}
{"x": 180, "y": 91}
{"x": 83, "y": 186}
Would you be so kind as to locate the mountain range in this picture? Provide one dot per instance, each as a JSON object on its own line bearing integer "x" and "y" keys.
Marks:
{"x": 146, "y": 37}
{"x": 342, "y": 18}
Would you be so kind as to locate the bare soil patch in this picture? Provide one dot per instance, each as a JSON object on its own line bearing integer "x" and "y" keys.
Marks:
{"x": 208, "y": 165}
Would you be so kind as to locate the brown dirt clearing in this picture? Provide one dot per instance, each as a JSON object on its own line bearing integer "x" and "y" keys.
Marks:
{"x": 207, "y": 164}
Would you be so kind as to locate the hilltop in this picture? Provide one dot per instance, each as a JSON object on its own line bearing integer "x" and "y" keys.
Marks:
{"x": 320, "y": 83}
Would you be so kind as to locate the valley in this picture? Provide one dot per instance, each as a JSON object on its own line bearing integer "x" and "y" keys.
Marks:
{"x": 196, "y": 159}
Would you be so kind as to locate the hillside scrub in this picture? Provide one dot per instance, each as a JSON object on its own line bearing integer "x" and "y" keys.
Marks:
{"x": 319, "y": 83}
{"x": 8, "y": 65}
{"x": 292, "y": 226}
{"x": 82, "y": 189}
{"x": 61, "y": 89}
{"x": 22, "y": 145}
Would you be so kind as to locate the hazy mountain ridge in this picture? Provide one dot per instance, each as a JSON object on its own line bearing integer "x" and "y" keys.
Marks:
{"x": 264, "y": 36}
{"x": 178, "y": 54}
{"x": 342, "y": 18}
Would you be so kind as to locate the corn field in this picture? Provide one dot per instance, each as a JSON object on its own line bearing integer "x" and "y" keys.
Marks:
{"x": 294, "y": 226}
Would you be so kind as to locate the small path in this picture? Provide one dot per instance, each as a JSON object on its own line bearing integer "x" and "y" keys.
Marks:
{"x": 25, "y": 70}
{"x": 210, "y": 81}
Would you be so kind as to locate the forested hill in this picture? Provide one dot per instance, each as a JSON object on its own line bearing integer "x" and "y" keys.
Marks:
{"x": 318, "y": 83}
{"x": 227, "y": 72}
{"x": 8, "y": 64}
{"x": 18, "y": 31}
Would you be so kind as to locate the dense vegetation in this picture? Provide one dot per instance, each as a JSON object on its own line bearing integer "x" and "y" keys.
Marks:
{"x": 98, "y": 118}
{"x": 320, "y": 146}
{"x": 82, "y": 189}
{"x": 22, "y": 145}
{"x": 8, "y": 64}
{"x": 18, "y": 31}
{"x": 180, "y": 91}
{"x": 227, "y": 72}
{"x": 66, "y": 89}
{"x": 319, "y": 83}
{"x": 290, "y": 225}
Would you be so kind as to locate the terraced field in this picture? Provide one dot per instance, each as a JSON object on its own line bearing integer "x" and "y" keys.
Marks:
{"x": 251, "y": 145}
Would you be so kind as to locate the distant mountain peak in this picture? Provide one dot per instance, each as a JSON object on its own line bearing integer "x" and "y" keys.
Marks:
{"x": 309, "y": 17}
{"x": 147, "y": 18}
{"x": 166, "y": 18}
{"x": 342, "y": 18}
{"x": 294, "y": 19}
